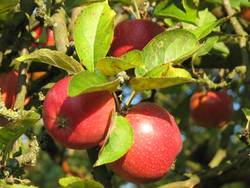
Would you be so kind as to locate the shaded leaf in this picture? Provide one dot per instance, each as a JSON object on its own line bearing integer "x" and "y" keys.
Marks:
{"x": 133, "y": 57}
{"x": 9, "y": 134}
{"x": 76, "y": 182}
{"x": 190, "y": 8}
{"x": 86, "y": 82}
{"x": 93, "y": 33}
{"x": 208, "y": 45}
{"x": 203, "y": 31}
{"x": 174, "y": 46}
{"x": 174, "y": 9}
{"x": 7, "y": 7}
{"x": 147, "y": 83}
{"x": 5, "y": 185}
{"x": 112, "y": 65}
{"x": 246, "y": 111}
{"x": 55, "y": 58}
{"x": 167, "y": 70}
{"x": 120, "y": 140}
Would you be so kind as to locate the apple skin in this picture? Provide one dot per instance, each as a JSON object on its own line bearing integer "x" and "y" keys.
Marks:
{"x": 157, "y": 142}
{"x": 211, "y": 109}
{"x": 79, "y": 122}
{"x": 133, "y": 34}
{"x": 245, "y": 13}
{"x": 9, "y": 88}
{"x": 50, "y": 38}
{"x": 36, "y": 33}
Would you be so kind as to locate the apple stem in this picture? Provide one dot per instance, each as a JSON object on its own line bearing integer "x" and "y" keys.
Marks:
{"x": 138, "y": 16}
{"x": 130, "y": 99}
{"x": 117, "y": 102}
{"x": 19, "y": 104}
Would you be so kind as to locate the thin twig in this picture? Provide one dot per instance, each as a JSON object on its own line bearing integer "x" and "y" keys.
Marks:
{"x": 138, "y": 16}
{"x": 130, "y": 99}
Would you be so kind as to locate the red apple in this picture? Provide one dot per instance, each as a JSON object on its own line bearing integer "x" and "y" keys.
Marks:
{"x": 79, "y": 122}
{"x": 157, "y": 142}
{"x": 133, "y": 34}
{"x": 36, "y": 33}
{"x": 50, "y": 38}
{"x": 9, "y": 88}
{"x": 245, "y": 13}
{"x": 211, "y": 109}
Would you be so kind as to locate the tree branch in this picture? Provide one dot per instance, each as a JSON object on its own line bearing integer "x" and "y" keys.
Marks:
{"x": 240, "y": 31}
{"x": 60, "y": 30}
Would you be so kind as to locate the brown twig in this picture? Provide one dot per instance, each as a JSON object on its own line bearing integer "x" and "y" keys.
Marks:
{"x": 60, "y": 30}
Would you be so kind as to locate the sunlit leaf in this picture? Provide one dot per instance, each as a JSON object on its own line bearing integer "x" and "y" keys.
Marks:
{"x": 55, "y": 58}
{"x": 86, "y": 81}
{"x": 93, "y": 33}
{"x": 76, "y": 182}
{"x": 174, "y": 46}
{"x": 118, "y": 143}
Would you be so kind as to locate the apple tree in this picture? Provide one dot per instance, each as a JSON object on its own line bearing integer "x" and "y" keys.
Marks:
{"x": 124, "y": 93}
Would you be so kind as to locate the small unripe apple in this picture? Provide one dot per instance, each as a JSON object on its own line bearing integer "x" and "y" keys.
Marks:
{"x": 133, "y": 34}
{"x": 79, "y": 122}
{"x": 157, "y": 142}
{"x": 211, "y": 108}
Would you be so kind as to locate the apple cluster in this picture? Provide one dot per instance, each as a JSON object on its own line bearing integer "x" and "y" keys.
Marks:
{"x": 82, "y": 122}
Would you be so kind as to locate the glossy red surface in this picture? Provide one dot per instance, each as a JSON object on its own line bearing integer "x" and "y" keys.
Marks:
{"x": 77, "y": 122}
{"x": 133, "y": 34}
{"x": 157, "y": 142}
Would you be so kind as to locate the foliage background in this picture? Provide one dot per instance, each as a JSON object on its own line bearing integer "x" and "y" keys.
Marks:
{"x": 223, "y": 60}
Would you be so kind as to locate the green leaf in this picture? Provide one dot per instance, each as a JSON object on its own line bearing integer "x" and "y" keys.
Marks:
{"x": 203, "y": 31}
{"x": 174, "y": 46}
{"x": 167, "y": 71}
{"x": 9, "y": 134}
{"x": 246, "y": 111}
{"x": 120, "y": 140}
{"x": 113, "y": 65}
{"x": 208, "y": 45}
{"x": 55, "y": 58}
{"x": 76, "y": 182}
{"x": 86, "y": 82}
{"x": 7, "y": 7}
{"x": 148, "y": 83}
{"x": 221, "y": 49}
{"x": 173, "y": 9}
{"x": 161, "y": 77}
{"x": 93, "y": 33}
{"x": 5, "y": 185}
{"x": 133, "y": 57}
{"x": 190, "y": 8}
